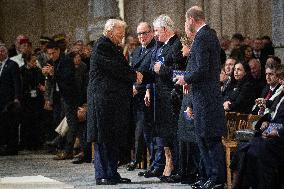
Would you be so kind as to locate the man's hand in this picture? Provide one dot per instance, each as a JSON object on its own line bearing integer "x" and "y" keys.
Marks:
{"x": 272, "y": 134}
{"x": 260, "y": 102}
{"x": 157, "y": 67}
{"x": 189, "y": 112}
{"x": 139, "y": 77}
{"x": 48, "y": 70}
{"x": 81, "y": 114}
{"x": 134, "y": 91}
{"x": 147, "y": 98}
{"x": 185, "y": 89}
{"x": 227, "y": 105}
{"x": 264, "y": 125}
{"x": 180, "y": 80}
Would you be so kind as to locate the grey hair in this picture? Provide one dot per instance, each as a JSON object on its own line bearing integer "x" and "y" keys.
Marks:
{"x": 112, "y": 23}
{"x": 164, "y": 21}
{"x": 196, "y": 13}
{"x": 2, "y": 46}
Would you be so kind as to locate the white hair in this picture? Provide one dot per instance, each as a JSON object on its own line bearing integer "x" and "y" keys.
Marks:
{"x": 112, "y": 23}
{"x": 2, "y": 46}
{"x": 164, "y": 21}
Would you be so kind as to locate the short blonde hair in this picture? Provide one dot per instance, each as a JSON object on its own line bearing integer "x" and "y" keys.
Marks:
{"x": 164, "y": 21}
{"x": 112, "y": 23}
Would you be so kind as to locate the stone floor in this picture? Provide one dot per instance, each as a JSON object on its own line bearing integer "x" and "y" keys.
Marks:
{"x": 80, "y": 176}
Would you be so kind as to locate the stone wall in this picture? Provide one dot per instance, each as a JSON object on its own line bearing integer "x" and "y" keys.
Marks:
{"x": 41, "y": 17}
{"x": 253, "y": 18}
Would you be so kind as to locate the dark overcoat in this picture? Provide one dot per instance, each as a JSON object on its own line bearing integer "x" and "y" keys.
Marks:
{"x": 203, "y": 75}
{"x": 165, "y": 120}
{"x": 109, "y": 94}
{"x": 10, "y": 83}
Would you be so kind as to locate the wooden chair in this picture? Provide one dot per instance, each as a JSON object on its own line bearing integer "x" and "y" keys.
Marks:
{"x": 252, "y": 118}
{"x": 235, "y": 121}
{"x": 229, "y": 142}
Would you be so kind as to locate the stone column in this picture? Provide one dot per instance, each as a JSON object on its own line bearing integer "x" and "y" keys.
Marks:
{"x": 278, "y": 27}
{"x": 99, "y": 12}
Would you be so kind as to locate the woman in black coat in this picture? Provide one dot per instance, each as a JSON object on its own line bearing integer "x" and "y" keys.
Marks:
{"x": 240, "y": 95}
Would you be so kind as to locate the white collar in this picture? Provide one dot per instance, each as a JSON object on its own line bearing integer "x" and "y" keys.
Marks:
{"x": 200, "y": 27}
{"x": 168, "y": 39}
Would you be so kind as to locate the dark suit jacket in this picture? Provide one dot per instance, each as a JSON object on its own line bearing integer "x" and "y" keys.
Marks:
{"x": 110, "y": 88}
{"x": 10, "y": 83}
{"x": 141, "y": 62}
{"x": 203, "y": 75}
{"x": 263, "y": 95}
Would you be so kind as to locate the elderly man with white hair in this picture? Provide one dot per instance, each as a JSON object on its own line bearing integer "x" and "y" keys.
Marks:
{"x": 166, "y": 58}
{"x": 109, "y": 95}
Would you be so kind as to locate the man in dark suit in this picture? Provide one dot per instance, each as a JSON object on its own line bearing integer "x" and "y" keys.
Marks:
{"x": 270, "y": 91}
{"x": 140, "y": 61}
{"x": 265, "y": 154}
{"x": 203, "y": 76}
{"x": 61, "y": 72}
{"x": 10, "y": 93}
{"x": 109, "y": 97}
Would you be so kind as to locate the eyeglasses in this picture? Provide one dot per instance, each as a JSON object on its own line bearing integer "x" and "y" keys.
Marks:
{"x": 143, "y": 33}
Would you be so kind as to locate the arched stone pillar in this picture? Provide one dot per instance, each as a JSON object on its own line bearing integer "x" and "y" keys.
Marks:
{"x": 278, "y": 27}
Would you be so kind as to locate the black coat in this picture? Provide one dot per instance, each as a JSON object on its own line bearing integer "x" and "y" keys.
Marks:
{"x": 241, "y": 95}
{"x": 109, "y": 94}
{"x": 64, "y": 76}
{"x": 10, "y": 83}
{"x": 165, "y": 119}
{"x": 203, "y": 74}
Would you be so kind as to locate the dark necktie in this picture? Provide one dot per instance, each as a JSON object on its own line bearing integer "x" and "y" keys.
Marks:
{"x": 269, "y": 94}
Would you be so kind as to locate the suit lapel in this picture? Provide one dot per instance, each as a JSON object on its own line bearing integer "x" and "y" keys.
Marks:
{"x": 141, "y": 57}
{"x": 5, "y": 66}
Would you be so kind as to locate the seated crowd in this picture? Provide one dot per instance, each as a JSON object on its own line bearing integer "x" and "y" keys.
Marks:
{"x": 46, "y": 87}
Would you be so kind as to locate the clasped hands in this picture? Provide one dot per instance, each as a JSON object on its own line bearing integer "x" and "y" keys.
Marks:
{"x": 48, "y": 70}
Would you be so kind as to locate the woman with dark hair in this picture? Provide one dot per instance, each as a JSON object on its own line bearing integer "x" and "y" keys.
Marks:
{"x": 32, "y": 102}
{"x": 246, "y": 53}
{"x": 241, "y": 94}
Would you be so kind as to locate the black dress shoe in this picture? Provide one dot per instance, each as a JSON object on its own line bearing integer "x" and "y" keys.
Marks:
{"x": 105, "y": 182}
{"x": 141, "y": 173}
{"x": 168, "y": 179}
{"x": 153, "y": 173}
{"x": 197, "y": 184}
{"x": 131, "y": 166}
{"x": 54, "y": 143}
{"x": 78, "y": 160}
{"x": 122, "y": 180}
{"x": 210, "y": 184}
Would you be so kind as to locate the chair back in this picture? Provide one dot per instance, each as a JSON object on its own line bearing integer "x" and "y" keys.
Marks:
{"x": 231, "y": 124}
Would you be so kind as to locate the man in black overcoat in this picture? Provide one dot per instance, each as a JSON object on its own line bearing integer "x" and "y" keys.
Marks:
{"x": 111, "y": 81}
{"x": 10, "y": 93}
{"x": 203, "y": 76}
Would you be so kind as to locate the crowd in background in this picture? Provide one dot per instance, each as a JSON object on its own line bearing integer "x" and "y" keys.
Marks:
{"x": 46, "y": 87}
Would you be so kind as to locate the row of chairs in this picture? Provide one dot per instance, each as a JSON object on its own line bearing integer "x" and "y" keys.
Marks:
{"x": 234, "y": 122}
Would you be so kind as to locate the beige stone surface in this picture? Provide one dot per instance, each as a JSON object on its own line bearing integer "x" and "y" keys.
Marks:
{"x": 32, "y": 182}
{"x": 46, "y": 17}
